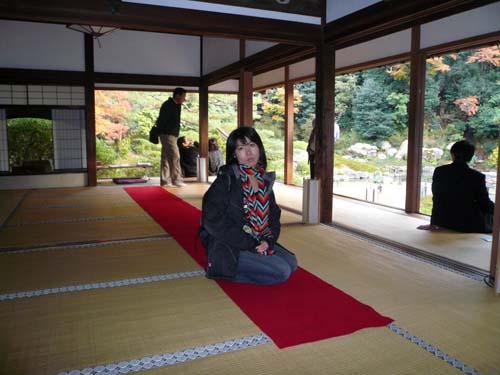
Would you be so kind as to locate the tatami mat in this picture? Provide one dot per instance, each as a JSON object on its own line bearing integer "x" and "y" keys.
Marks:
{"x": 57, "y": 268}
{"x": 63, "y": 332}
{"x": 371, "y": 351}
{"x": 9, "y": 200}
{"x": 397, "y": 226}
{"x": 26, "y": 216}
{"x": 49, "y": 234}
{"x": 46, "y": 335}
{"x": 96, "y": 197}
{"x": 458, "y": 315}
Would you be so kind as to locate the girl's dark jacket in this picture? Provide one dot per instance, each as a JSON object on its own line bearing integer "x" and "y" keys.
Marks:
{"x": 223, "y": 219}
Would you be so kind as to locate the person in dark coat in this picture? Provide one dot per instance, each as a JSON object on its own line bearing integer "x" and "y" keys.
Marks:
{"x": 189, "y": 152}
{"x": 240, "y": 217}
{"x": 169, "y": 124}
{"x": 460, "y": 197}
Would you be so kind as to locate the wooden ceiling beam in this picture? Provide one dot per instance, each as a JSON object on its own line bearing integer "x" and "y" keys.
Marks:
{"x": 153, "y": 18}
{"x": 146, "y": 79}
{"x": 305, "y": 7}
{"x": 269, "y": 59}
{"x": 37, "y": 76}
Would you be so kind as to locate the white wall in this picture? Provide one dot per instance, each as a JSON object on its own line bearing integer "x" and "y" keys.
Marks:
{"x": 460, "y": 26}
{"x": 336, "y": 9}
{"x": 28, "y": 45}
{"x": 269, "y": 78}
{"x": 389, "y": 45}
{"x": 231, "y": 85}
{"x": 136, "y": 52}
{"x": 219, "y": 52}
{"x": 303, "y": 68}
{"x": 252, "y": 47}
{"x": 43, "y": 181}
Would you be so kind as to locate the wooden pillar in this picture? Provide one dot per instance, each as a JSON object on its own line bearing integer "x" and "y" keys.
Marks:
{"x": 90, "y": 110}
{"x": 245, "y": 94}
{"x": 203, "y": 120}
{"x": 245, "y": 99}
{"x": 495, "y": 247}
{"x": 325, "y": 125}
{"x": 289, "y": 122}
{"x": 415, "y": 123}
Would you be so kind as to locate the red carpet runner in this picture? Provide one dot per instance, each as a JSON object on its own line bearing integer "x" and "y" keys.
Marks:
{"x": 303, "y": 309}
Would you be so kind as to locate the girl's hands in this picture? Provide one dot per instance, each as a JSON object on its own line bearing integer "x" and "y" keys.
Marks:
{"x": 263, "y": 246}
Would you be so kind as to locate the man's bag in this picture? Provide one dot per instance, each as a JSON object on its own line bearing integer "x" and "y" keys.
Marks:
{"x": 153, "y": 135}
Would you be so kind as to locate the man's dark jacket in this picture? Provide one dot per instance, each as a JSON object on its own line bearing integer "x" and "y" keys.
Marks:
{"x": 169, "y": 119}
{"x": 223, "y": 219}
{"x": 460, "y": 199}
{"x": 189, "y": 160}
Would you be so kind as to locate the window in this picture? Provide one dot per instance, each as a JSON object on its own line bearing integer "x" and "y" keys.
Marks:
{"x": 371, "y": 139}
{"x": 462, "y": 101}
{"x": 304, "y": 114}
{"x": 42, "y": 140}
{"x": 222, "y": 118}
{"x": 30, "y": 145}
{"x": 269, "y": 120}
{"x": 123, "y": 121}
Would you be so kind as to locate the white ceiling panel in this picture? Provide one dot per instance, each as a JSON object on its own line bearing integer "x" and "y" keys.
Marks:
{"x": 136, "y": 52}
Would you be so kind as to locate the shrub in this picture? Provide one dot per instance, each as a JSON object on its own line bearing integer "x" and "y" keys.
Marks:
{"x": 341, "y": 162}
{"x": 29, "y": 139}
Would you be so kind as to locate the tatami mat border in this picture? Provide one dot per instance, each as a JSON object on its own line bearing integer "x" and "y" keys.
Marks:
{"x": 13, "y": 212}
{"x": 79, "y": 220}
{"x": 87, "y": 245}
{"x": 169, "y": 359}
{"x": 433, "y": 350}
{"x": 105, "y": 284}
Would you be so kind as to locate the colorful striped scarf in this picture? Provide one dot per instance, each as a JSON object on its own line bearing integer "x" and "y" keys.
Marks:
{"x": 256, "y": 205}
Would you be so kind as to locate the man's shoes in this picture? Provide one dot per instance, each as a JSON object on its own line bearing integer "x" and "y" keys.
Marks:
{"x": 167, "y": 185}
{"x": 179, "y": 184}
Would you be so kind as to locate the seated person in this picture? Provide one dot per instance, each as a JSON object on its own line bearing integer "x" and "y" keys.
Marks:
{"x": 188, "y": 151}
{"x": 215, "y": 160}
{"x": 241, "y": 220}
{"x": 460, "y": 197}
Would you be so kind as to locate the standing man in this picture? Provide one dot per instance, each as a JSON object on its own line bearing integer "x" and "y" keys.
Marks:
{"x": 169, "y": 124}
{"x": 312, "y": 144}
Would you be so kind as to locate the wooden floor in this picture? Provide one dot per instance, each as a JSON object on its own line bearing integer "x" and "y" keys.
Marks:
{"x": 100, "y": 326}
{"x": 400, "y": 228}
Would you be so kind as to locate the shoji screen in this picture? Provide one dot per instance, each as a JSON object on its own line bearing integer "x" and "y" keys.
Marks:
{"x": 69, "y": 138}
{"x": 4, "y": 152}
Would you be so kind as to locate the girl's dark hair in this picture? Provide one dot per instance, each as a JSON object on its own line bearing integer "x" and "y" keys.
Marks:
{"x": 212, "y": 144}
{"x": 244, "y": 135}
{"x": 463, "y": 151}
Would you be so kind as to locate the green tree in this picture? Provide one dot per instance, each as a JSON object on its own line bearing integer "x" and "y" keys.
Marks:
{"x": 345, "y": 89}
{"x": 222, "y": 117}
{"x": 29, "y": 139}
{"x": 371, "y": 119}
